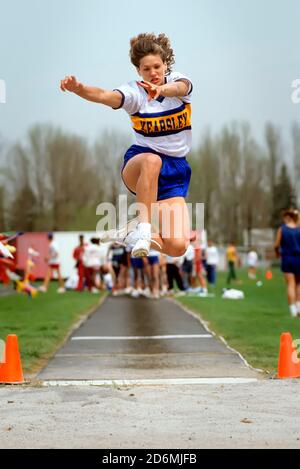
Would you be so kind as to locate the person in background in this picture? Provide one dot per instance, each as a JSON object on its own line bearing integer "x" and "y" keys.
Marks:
{"x": 173, "y": 273}
{"x": 138, "y": 268}
{"x": 232, "y": 259}
{"x": 92, "y": 261}
{"x": 124, "y": 281}
{"x": 78, "y": 256}
{"x": 252, "y": 259}
{"x": 187, "y": 267}
{"x": 116, "y": 255}
{"x": 152, "y": 269}
{"x": 53, "y": 261}
{"x": 212, "y": 261}
{"x": 287, "y": 246}
{"x": 198, "y": 267}
{"x": 163, "y": 278}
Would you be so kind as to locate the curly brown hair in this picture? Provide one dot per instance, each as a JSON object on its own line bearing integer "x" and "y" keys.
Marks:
{"x": 148, "y": 43}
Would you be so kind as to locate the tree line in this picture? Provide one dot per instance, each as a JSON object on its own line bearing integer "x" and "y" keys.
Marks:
{"x": 55, "y": 180}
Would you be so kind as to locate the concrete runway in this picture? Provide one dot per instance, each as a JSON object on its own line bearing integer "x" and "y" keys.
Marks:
{"x": 141, "y": 339}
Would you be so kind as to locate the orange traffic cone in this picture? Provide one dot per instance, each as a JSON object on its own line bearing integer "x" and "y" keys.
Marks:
{"x": 288, "y": 363}
{"x": 269, "y": 275}
{"x": 11, "y": 370}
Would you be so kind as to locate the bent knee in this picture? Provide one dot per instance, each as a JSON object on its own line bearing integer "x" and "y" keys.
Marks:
{"x": 151, "y": 162}
{"x": 177, "y": 247}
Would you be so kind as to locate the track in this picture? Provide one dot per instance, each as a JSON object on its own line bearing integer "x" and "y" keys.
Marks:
{"x": 144, "y": 340}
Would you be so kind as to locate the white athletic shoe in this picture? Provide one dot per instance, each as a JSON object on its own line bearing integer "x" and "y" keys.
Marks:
{"x": 131, "y": 236}
{"x": 61, "y": 290}
{"x": 141, "y": 248}
{"x": 5, "y": 252}
{"x": 123, "y": 235}
{"x": 155, "y": 296}
{"x": 135, "y": 293}
{"x": 146, "y": 292}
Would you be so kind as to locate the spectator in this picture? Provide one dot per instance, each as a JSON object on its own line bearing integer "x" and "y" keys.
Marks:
{"x": 152, "y": 270}
{"x": 252, "y": 259}
{"x": 93, "y": 259}
{"x": 187, "y": 267}
{"x": 173, "y": 273}
{"x": 121, "y": 265}
{"x": 198, "y": 266}
{"x": 212, "y": 260}
{"x": 53, "y": 261}
{"x": 78, "y": 256}
{"x": 137, "y": 265}
{"x": 116, "y": 254}
{"x": 163, "y": 278}
{"x": 287, "y": 245}
{"x": 232, "y": 259}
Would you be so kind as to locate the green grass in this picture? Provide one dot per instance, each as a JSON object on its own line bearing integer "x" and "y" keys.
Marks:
{"x": 42, "y": 323}
{"x": 253, "y": 325}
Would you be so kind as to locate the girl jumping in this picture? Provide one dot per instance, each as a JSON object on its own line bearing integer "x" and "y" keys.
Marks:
{"x": 155, "y": 167}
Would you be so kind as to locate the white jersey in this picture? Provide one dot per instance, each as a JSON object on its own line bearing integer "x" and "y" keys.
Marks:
{"x": 162, "y": 124}
{"x": 93, "y": 256}
{"x": 189, "y": 254}
{"x": 212, "y": 255}
{"x": 53, "y": 256}
{"x": 252, "y": 259}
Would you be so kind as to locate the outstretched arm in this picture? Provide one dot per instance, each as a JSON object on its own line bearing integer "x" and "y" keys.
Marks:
{"x": 96, "y": 95}
{"x": 177, "y": 88}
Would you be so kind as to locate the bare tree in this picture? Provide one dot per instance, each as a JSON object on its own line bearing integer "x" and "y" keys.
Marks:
{"x": 109, "y": 150}
{"x": 273, "y": 141}
{"x": 229, "y": 151}
{"x": 254, "y": 192}
{"x": 205, "y": 181}
{"x": 296, "y": 155}
{"x": 56, "y": 171}
{"x": 73, "y": 181}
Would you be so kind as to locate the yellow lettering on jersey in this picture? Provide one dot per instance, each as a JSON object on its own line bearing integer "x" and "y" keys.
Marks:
{"x": 159, "y": 125}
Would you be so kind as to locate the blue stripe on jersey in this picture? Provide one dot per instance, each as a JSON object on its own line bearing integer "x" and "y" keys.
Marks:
{"x": 160, "y": 114}
{"x": 162, "y": 134}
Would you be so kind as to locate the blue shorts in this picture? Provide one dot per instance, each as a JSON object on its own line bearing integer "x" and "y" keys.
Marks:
{"x": 137, "y": 262}
{"x": 291, "y": 265}
{"x": 175, "y": 173}
{"x": 153, "y": 260}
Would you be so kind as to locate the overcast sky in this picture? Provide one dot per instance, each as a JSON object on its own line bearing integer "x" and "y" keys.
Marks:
{"x": 241, "y": 55}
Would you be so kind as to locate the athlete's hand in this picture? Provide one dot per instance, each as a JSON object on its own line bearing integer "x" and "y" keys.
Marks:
{"x": 153, "y": 90}
{"x": 71, "y": 84}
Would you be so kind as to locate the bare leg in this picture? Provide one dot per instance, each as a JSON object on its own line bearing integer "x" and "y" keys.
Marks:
{"x": 290, "y": 288}
{"x": 141, "y": 176}
{"x": 297, "y": 287}
{"x": 47, "y": 278}
{"x": 60, "y": 279}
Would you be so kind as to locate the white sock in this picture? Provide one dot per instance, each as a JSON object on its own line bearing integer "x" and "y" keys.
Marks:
{"x": 144, "y": 230}
{"x": 145, "y": 227}
{"x": 298, "y": 306}
{"x": 293, "y": 310}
